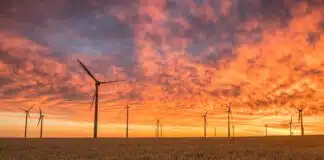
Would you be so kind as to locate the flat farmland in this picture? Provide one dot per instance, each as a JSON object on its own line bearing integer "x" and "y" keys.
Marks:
{"x": 295, "y": 147}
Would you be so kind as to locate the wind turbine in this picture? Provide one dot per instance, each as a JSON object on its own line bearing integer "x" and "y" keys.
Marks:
{"x": 229, "y": 113}
{"x": 161, "y": 130}
{"x": 205, "y": 123}
{"x": 127, "y": 119}
{"x": 95, "y": 97}
{"x": 233, "y": 134}
{"x": 215, "y": 132}
{"x": 40, "y": 120}
{"x": 26, "y": 118}
{"x": 127, "y": 116}
{"x": 233, "y": 131}
{"x": 290, "y": 125}
{"x": 157, "y": 127}
{"x": 266, "y": 129}
{"x": 300, "y": 120}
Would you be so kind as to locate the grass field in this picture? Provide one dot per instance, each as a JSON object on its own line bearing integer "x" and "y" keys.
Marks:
{"x": 308, "y": 148}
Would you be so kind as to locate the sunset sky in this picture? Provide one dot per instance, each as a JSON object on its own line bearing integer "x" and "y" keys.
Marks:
{"x": 179, "y": 59}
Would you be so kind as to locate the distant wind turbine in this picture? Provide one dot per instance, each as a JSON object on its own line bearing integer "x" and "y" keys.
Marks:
{"x": 40, "y": 120}
{"x": 300, "y": 110}
{"x": 266, "y": 129}
{"x": 215, "y": 132}
{"x": 26, "y": 118}
{"x": 205, "y": 124}
{"x": 233, "y": 131}
{"x": 127, "y": 116}
{"x": 229, "y": 113}
{"x": 95, "y": 97}
{"x": 127, "y": 119}
{"x": 290, "y": 125}
{"x": 300, "y": 120}
{"x": 157, "y": 128}
{"x": 161, "y": 130}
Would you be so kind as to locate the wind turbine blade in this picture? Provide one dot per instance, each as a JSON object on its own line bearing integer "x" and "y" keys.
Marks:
{"x": 40, "y": 117}
{"x": 111, "y": 81}
{"x": 22, "y": 109}
{"x": 93, "y": 99}
{"x": 31, "y": 107}
{"x": 295, "y": 107}
{"x": 86, "y": 69}
{"x": 231, "y": 116}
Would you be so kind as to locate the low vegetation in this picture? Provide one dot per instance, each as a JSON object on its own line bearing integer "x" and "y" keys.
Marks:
{"x": 307, "y": 147}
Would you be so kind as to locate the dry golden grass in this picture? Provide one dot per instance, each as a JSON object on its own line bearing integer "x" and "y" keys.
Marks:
{"x": 308, "y": 148}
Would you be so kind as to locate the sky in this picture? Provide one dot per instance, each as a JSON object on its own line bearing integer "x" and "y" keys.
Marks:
{"x": 179, "y": 59}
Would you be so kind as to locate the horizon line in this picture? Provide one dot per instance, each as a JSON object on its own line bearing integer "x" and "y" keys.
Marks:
{"x": 210, "y": 137}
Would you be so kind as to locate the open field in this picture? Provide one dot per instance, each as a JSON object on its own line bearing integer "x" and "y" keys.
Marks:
{"x": 308, "y": 147}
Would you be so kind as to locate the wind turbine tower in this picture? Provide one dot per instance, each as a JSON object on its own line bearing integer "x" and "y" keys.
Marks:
{"x": 233, "y": 131}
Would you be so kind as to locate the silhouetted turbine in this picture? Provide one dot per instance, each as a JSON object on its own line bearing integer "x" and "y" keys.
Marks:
{"x": 300, "y": 120}
{"x": 290, "y": 125}
{"x": 127, "y": 116}
{"x": 157, "y": 128}
{"x": 40, "y": 120}
{"x": 205, "y": 124}
{"x": 233, "y": 131}
{"x": 161, "y": 130}
{"x": 229, "y": 113}
{"x": 266, "y": 129}
{"x": 95, "y": 97}
{"x": 26, "y": 118}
